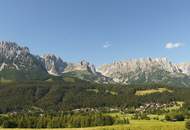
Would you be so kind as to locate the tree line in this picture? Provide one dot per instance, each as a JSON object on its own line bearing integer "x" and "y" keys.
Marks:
{"x": 58, "y": 121}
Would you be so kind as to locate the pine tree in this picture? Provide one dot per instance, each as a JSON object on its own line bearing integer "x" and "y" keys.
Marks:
{"x": 40, "y": 123}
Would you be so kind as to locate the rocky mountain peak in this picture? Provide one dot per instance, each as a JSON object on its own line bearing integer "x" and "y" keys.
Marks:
{"x": 19, "y": 63}
{"x": 54, "y": 64}
{"x": 185, "y": 68}
{"x": 80, "y": 66}
{"x": 87, "y": 66}
{"x": 84, "y": 63}
{"x": 143, "y": 64}
{"x": 11, "y": 49}
{"x": 136, "y": 69}
{"x": 19, "y": 60}
{"x": 12, "y": 46}
{"x": 12, "y": 53}
{"x": 51, "y": 56}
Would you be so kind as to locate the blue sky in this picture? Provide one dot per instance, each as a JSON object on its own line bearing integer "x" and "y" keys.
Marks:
{"x": 99, "y": 31}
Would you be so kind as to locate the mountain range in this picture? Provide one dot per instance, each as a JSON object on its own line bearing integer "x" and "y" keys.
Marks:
{"x": 17, "y": 63}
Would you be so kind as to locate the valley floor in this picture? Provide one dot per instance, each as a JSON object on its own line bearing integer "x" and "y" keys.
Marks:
{"x": 134, "y": 125}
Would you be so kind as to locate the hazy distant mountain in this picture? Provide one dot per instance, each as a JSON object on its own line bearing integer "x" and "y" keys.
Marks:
{"x": 148, "y": 70}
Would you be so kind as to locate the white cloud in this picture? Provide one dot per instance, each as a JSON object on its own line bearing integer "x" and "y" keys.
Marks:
{"x": 171, "y": 45}
{"x": 107, "y": 44}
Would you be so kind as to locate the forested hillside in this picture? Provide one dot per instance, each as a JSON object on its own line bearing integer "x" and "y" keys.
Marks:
{"x": 72, "y": 93}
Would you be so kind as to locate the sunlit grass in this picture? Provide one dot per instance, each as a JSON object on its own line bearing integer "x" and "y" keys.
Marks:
{"x": 151, "y": 91}
{"x": 134, "y": 125}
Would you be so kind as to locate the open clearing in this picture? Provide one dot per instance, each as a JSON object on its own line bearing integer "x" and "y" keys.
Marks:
{"x": 134, "y": 125}
{"x": 151, "y": 91}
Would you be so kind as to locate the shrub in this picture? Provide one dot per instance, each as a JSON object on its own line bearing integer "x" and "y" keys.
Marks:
{"x": 167, "y": 117}
{"x": 174, "y": 117}
{"x": 9, "y": 124}
{"x": 179, "y": 117}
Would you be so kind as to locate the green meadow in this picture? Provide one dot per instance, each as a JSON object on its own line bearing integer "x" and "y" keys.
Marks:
{"x": 134, "y": 125}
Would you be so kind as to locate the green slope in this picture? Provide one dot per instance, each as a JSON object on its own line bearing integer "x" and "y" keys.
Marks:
{"x": 71, "y": 93}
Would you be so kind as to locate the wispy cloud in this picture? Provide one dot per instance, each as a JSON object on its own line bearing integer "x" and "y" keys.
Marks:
{"x": 107, "y": 44}
{"x": 172, "y": 45}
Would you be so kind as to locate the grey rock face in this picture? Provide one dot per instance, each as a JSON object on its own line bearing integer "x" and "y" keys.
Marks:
{"x": 56, "y": 66}
{"x": 17, "y": 63}
{"x": 140, "y": 70}
{"x": 53, "y": 64}
{"x": 185, "y": 68}
{"x": 19, "y": 59}
{"x": 16, "y": 57}
{"x": 147, "y": 64}
{"x": 81, "y": 66}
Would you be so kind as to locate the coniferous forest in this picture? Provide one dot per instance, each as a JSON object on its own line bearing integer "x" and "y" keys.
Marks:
{"x": 76, "y": 103}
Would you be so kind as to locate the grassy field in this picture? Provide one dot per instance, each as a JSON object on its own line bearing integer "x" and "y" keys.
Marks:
{"x": 134, "y": 125}
{"x": 150, "y": 91}
{"x": 5, "y": 81}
